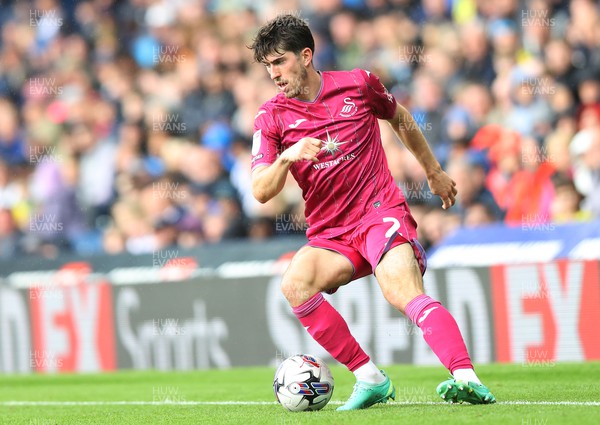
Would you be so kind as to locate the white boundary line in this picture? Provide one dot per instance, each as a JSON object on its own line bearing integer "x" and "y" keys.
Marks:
{"x": 267, "y": 403}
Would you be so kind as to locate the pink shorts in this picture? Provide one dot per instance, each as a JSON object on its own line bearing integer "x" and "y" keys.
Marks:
{"x": 377, "y": 233}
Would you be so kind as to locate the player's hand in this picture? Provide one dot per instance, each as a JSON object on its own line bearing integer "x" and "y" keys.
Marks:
{"x": 442, "y": 185}
{"x": 305, "y": 149}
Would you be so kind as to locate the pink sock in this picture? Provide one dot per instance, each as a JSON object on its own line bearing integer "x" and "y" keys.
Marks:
{"x": 330, "y": 330}
{"x": 440, "y": 332}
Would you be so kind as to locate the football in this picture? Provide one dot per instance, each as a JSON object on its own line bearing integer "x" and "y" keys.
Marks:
{"x": 303, "y": 382}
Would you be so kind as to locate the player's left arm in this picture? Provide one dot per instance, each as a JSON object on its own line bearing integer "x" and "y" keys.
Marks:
{"x": 409, "y": 133}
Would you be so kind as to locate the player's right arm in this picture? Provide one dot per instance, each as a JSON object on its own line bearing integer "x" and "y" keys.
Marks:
{"x": 268, "y": 180}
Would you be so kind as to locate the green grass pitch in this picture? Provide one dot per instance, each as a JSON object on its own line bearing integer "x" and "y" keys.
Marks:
{"x": 536, "y": 394}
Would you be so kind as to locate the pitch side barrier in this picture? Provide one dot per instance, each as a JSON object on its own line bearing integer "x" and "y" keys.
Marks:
{"x": 534, "y": 314}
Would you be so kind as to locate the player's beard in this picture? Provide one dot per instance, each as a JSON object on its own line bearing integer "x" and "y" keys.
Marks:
{"x": 297, "y": 85}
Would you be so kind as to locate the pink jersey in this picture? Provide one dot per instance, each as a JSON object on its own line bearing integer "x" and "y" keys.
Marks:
{"x": 352, "y": 176}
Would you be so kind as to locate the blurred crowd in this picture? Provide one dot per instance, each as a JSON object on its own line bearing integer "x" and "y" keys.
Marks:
{"x": 126, "y": 126}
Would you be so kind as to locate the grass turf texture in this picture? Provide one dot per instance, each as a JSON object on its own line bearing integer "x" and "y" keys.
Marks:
{"x": 416, "y": 401}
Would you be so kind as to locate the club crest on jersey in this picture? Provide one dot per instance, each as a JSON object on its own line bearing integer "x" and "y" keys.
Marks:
{"x": 349, "y": 108}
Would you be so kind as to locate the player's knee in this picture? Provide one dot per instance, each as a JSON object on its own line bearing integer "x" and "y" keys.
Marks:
{"x": 298, "y": 288}
{"x": 398, "y": 297}
{"x": 299, "y": 281}
{"x": 399, "y": 288}
{"x": 394, "y": 296}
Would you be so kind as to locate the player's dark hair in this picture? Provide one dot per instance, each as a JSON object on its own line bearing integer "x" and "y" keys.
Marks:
{"x": 285, "y": 33}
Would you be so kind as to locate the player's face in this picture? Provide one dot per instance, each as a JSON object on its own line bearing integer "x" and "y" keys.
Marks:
{"x": 288, "y": 73}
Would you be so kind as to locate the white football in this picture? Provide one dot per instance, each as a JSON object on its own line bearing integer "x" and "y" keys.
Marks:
{"x": 303, "y": 382}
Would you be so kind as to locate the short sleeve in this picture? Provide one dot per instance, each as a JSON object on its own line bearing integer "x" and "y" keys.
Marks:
{"x": 266, "y": 140}
{"x": 381, "y": 101}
